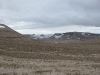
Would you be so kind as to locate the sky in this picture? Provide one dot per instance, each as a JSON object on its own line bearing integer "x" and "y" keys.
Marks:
{"x": 51, "y": 16}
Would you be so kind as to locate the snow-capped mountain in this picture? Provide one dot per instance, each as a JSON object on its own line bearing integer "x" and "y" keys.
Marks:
{"x": 39, "y": 36}
{"x": 74, "y": 36}
{"x": 65, "y": 36}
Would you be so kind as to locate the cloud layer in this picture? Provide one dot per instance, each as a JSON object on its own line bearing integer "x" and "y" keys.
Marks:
{"x": 61, "y": 29}
{"x": 37, "y": 14}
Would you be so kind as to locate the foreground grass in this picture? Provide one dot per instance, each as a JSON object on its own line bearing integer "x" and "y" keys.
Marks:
{"x": 21, "y": 66}
{"x": 51, "y": 55}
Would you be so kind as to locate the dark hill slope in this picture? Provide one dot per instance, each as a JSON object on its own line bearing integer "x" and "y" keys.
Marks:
{"x": 5, "y": 31}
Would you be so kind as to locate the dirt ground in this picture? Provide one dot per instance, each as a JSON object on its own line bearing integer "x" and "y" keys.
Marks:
{"x": 21, "y": 66}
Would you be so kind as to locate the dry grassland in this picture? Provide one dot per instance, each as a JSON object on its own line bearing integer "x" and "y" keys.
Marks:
{"x": 21, "y": 66}
{"x": 36, "y": 57}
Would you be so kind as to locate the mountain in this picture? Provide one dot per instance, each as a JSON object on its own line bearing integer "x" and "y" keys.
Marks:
{"x": 39, "y": 36}
{"x": 66, "y": 36}
{"x": 74, "y": 36}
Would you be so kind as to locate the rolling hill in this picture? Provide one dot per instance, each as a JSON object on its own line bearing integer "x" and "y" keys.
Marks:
{"x": 7, "y": 32}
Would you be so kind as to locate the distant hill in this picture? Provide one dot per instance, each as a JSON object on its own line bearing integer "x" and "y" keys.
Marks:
{"x": 65, "y": 36}
{"x": 39, "y": 36}
{"x": 74, "y": 36}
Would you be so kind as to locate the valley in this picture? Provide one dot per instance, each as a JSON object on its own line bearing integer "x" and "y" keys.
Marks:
{"x": 21, "y": 55}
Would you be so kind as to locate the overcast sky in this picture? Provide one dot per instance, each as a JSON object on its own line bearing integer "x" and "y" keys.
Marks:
{"x": 51, "y": 16}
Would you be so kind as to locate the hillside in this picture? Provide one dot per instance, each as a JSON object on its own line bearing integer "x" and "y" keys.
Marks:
{"x": 20, "y": 55}
{"x": 5, "y": 31}
{"x": 40, "y": 49}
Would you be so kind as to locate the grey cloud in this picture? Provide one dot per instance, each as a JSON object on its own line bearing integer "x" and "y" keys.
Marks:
{"x": 52, "y": 13}
{"x": 85, "y": 4}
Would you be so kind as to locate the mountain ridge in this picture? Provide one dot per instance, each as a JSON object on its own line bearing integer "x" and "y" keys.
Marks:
{"x": 66, "y": 36}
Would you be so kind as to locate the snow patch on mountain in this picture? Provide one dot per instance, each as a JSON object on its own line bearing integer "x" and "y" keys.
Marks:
{"x": 2, "y": 26}
{"x": 83, "y": 33}
{"x": 58, "y": 36}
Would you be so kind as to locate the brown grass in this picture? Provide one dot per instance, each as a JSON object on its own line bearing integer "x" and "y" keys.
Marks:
{"x": 41, "y": 50}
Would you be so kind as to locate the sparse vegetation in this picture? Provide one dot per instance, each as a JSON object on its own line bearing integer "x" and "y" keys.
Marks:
{"x": 23, "y": 56}
{"x": 16, "y": 66}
